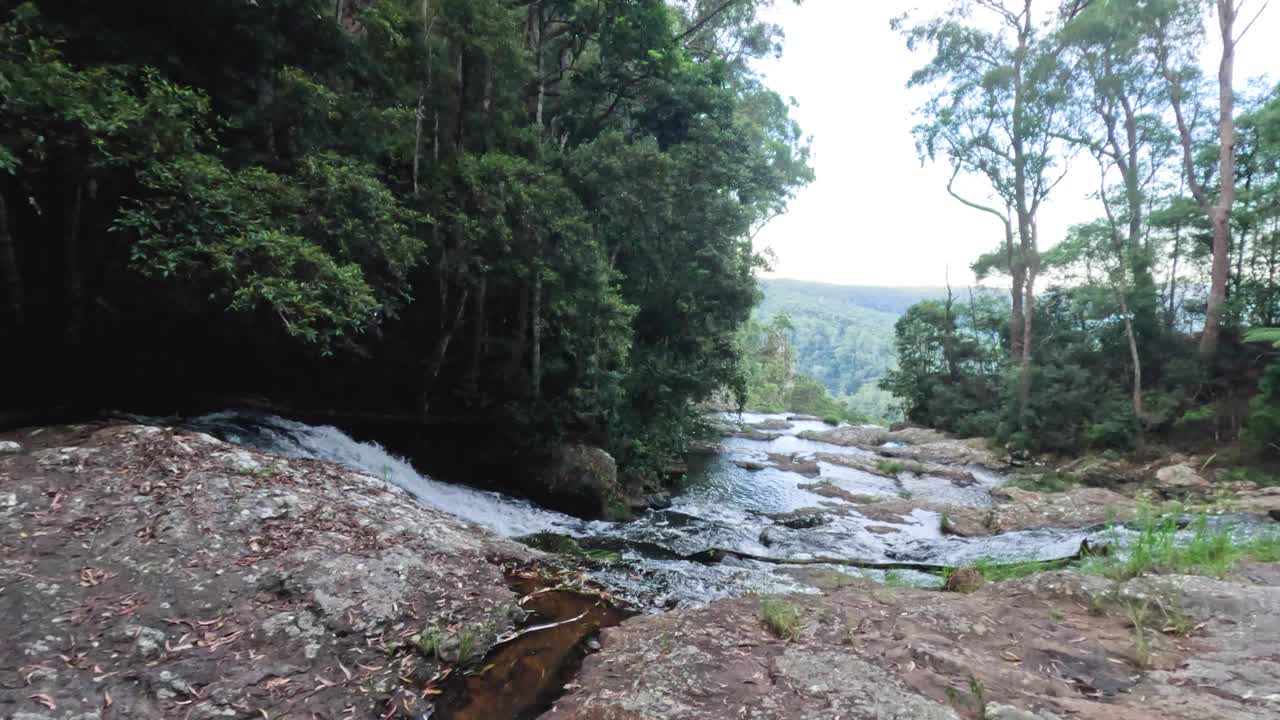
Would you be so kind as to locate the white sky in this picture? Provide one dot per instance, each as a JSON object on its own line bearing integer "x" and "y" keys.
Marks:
{"x": 874, "y": 216}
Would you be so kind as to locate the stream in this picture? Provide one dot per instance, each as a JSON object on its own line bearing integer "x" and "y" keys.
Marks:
{"x": 723, "y": 506}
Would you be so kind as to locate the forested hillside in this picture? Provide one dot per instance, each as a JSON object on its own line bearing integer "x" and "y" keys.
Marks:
{"x": 840, "y": 336}
{"x": 1144, "y": 323}
{"x": 528, "y": 217}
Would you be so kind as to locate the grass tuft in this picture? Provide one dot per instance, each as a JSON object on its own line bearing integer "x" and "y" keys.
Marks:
{"x": 780, "y": 617}
{"x": 889, "y": 467}
{"x": 1211, "y": 551}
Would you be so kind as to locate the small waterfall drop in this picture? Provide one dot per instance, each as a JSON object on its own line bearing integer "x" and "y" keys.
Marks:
{"x": 502, "y": 514}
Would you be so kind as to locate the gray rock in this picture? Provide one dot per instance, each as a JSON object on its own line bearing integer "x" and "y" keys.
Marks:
{"x": 9, "y": 447}
{"x": 584, "y": 478}
{"x": 1179, "y": 479}
{"x": 996, "y": 711}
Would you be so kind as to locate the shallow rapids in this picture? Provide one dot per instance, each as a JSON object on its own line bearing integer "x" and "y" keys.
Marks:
{"x": 723, "y": 506}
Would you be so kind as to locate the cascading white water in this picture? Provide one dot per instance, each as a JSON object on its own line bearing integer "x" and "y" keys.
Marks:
{"x": 500, "y": 513}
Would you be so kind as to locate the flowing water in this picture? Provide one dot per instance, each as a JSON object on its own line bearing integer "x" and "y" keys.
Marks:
{"x": 724, "y": 506}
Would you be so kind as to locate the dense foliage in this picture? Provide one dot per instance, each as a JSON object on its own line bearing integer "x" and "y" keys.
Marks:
{"x": 532, "y": 215}
{"x": 1140, "y": 332}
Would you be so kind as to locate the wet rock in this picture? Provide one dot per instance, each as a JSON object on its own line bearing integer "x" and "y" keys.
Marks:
{"x": 756, "y": 435}
{"x": 1179, "y": 479}
{"x": 659, "y": 500}
{"x": 949, "y": 451}
{"x": 963, "y": 521}
{"x": 804, "y": 418}
{"x": 750, "y": 465}
{"x": 585, "y": 479}
{"x": 881, "y": 529}
{"x": 801, "y": 519}
{"x": 863, "y": 436}
{"x": 770, "y": 424}
{"x": 9, "y": 447}
{"x": 1019, "y": 509}
{"x": 790, "y": 463}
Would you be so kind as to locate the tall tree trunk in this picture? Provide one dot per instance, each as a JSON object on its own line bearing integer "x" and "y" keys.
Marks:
{"x": 949, "y": 335}
{"x": 427, "y": 79}
{"x": 1134, "y": 358}
{"x": 10, "y": 272}
{"x": 1024, "y": 380}
{"x": 1018, "y": 283}
{"x": 1220, "y": 216}
{"x": 435, "y": 359}
{"x": 536, "y": 30}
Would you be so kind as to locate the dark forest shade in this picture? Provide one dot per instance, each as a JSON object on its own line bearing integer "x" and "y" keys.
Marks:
{"x": 530, "y": 216}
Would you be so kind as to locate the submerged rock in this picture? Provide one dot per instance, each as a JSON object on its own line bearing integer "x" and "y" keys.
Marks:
{"x": 186, "y": 578}
{"x": 791, "y": 463}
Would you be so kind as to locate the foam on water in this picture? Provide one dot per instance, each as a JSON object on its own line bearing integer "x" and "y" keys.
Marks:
{"x": 503, "y": 514}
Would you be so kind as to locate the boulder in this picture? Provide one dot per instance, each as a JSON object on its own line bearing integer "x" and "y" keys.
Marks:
{"x": 770, "y": 424}
{"x": 1179, "y": 479}
{"x": 9, "y": 447}
{"x": 863, "y": 436}
{"x": 790, "y": 463}
{"x": 584, "y": 479}
{"x": 1018, "y": 509}
{"x": 1096, "y": 471}
{"x": 964, "y": 580}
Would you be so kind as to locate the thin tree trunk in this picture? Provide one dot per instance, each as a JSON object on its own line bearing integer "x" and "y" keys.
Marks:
{"x": 949, "y": 334}
{"x": 1024, "y": 382}
{"x": 1220, "y": 215}
{"x": 435, "y": 360}
{"x": 536, "y": 27}
{"x": 419, "y": 116}
{"x": 1133, "y": 357}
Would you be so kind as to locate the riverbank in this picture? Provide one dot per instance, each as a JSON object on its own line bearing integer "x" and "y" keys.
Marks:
{"x": 151, "y": 572}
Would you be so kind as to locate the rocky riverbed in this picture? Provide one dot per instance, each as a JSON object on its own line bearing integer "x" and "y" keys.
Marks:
{"x": 150, "y": 572}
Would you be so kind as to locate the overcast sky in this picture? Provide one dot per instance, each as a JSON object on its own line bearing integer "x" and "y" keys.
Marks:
{"x": 874, "y": 216}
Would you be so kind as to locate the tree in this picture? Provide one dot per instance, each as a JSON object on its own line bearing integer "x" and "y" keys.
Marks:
{"x": 995, "y": 114}
{"x": 1174, "y": 29}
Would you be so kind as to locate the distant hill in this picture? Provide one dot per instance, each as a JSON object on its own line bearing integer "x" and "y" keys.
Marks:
{"x": 843, "y": 333}
{"x": 894, "y": 300}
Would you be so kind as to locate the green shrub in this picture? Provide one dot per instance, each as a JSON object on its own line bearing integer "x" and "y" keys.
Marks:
{"x": 1262, "y": 426}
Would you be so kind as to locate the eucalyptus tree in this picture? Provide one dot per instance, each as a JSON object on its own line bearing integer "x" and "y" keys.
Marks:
{"x": 995, "y": 113}
{"x": 1175, "y": 32}
{"x": 1115, "y": 102}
